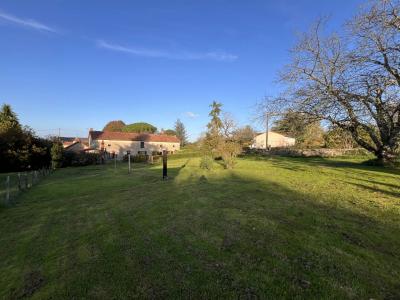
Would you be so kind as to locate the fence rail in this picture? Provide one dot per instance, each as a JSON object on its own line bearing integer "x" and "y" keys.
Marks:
{"x": 14, "y": 183}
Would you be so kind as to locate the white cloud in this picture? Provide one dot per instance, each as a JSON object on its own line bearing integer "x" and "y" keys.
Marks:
{"x": 191, "y": 114}
{"x": 26, "y": 22}
{"x": 183, "y": 55}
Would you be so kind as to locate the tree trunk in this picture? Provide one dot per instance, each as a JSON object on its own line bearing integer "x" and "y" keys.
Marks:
{"x": 386, "y": 155}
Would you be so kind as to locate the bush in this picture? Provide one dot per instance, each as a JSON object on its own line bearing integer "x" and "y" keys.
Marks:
{"x": 74, "y": 159}
{"x": 206, "y": 162}
{"x": 157, "y": 158}
{"x": 229, "y": 151}
{"x": 57, "y": 154}
{"x": 139, "y": 158}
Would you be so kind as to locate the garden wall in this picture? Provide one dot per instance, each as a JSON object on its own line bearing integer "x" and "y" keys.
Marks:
{"x": 322, "y": 152}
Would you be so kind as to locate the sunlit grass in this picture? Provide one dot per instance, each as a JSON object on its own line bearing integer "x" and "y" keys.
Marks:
{"x": 272, "y": 228}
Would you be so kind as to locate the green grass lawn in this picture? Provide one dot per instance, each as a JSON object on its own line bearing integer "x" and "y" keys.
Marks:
{"x": 272, "y": 228}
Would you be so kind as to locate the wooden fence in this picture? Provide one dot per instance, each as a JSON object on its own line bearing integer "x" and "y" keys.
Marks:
{"x": 14, "y": 183}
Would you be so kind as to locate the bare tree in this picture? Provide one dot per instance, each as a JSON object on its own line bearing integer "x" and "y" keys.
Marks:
{"x": 228, "y": 125}
{"x": 352, "y": 81}
{"x": 244, "y": 135}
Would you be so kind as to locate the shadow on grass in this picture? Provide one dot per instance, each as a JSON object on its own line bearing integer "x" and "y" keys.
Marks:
{"x": 376, "y": 189}
{"x": 205, "y": 235}
{"x": 297, "y": 163}
{"x": 309, "y": 247}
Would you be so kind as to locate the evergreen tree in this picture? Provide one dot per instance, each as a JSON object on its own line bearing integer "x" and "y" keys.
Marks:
{"x": 336, "y": 137}
{"x": 169, "y": 132}
{"x": 7, "y": 116}
{"x": 10, "y": 128}
{"x": 213, "y": 135}
{"x": 180, "y": 132}
{"x": 114, "y": 126}
{"x": 20, "y": 148}
{"x": 306, "y": 130}
{"x": 216, "y": 144}
{"x": 215, "y": 125}
{"x": 11, "y": 138}
{"x": 140, "y": 127}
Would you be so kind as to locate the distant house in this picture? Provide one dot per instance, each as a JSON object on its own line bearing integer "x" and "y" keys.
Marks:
{"x": 274, "y": 140}
{"x": 74, "y": 144}
{"x": 137, "y": 143}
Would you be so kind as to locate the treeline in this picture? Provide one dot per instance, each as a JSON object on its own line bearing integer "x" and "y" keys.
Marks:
{"x": 309, "y": 133}
{"x": 20, "y": 148}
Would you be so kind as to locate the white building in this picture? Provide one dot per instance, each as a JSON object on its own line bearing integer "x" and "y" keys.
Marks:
{"x": 274, "y": 140}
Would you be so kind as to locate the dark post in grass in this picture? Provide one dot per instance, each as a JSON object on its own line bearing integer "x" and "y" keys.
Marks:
{"x": 115, "y": 161}
{"x": 26, "y": 180}
{"x": 165, "y": 167}
{"x": 19, "y": 182}
{"x": 129, "y": 161}
{"x": 7, "y": 190}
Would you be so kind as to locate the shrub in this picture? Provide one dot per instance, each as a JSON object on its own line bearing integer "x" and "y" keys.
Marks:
{"x": 74, "y": 159}
{"x": 229, "y": 151}
{"x": 206, "y": 162}
{"x": 157, "y": 158}
{"x": 137, "y": 158}
{"x": 57, "y": 153}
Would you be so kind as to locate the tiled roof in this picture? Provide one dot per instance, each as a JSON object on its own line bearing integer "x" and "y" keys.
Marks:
{"x": 70, "y": 141}
{"x": 65, "y": 139}
{"x": 130, "y": 136}
{"x": 68, "y": 144}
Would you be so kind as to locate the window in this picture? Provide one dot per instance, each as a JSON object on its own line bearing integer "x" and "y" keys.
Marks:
{"x": 141, "y": 144}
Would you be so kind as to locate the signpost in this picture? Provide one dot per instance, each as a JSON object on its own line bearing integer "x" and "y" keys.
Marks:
{"x": 165, "y": 167}
{"x": 129, "y": 161}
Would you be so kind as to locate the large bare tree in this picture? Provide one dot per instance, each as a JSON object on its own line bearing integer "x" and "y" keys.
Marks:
{"x": 352, "y": 80}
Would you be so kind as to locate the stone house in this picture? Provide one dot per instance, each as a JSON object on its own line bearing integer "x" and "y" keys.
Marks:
{"x": 137, "y": 143}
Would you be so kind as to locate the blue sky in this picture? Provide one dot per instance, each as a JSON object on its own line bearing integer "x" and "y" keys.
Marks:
{"x": 78, "y": 64}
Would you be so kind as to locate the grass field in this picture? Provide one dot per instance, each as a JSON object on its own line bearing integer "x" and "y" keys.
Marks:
{"x": 271, "y": 228}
